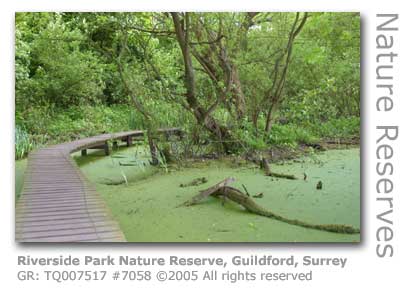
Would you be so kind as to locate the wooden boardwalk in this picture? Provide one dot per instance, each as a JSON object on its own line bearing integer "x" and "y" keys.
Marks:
{"x": 58, "y": 204}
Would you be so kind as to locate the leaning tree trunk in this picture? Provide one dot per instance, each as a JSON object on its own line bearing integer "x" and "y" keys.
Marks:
{"x": 270, "y": 117}
{"x": 220, "y": 132}
{"x": 276, "y": 91}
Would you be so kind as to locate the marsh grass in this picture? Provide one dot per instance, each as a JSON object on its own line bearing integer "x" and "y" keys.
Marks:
{"x": 23, "y": 143}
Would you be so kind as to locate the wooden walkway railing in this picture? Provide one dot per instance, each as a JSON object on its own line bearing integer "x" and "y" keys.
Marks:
{"x": 58, "y": 204}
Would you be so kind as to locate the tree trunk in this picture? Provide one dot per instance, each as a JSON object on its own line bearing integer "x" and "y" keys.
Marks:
{"x": 276, "y": 91}
{"x": 202, "y": 115}
{"x": 238, "y": 95}
{"x": 270, "y": 117}
{"x": 221, "y": 133}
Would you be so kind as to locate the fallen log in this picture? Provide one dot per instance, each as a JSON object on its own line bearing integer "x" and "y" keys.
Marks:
{"x": 268, "y": 172}
{"x": 205, "y": 193}
{"x": 224, "y": 191}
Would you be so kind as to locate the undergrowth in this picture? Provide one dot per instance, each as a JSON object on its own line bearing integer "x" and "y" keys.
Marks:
{"x": 44, "y": 126}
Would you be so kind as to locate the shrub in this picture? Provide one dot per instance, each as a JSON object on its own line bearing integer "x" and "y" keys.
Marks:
{"x": 289, "y": 135}
{"x": 338, "y": 128}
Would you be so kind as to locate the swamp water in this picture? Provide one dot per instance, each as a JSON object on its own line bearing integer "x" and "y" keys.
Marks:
{"x": 145, "y": 203}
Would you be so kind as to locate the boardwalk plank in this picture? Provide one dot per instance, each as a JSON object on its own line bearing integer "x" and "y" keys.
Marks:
{"x": 58, "y": 204}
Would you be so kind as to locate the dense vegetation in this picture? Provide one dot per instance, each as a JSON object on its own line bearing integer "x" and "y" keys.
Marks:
{"x": 233, "y": 80}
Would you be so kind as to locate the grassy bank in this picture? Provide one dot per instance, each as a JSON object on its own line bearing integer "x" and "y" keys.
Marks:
{"x": 44, "y": 126}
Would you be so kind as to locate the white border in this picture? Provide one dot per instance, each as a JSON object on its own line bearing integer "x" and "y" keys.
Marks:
{"x": 364, "y": 270}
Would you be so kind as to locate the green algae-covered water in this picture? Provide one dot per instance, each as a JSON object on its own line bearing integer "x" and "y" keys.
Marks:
{"x": 146, "y": 207}
{"x": 144, "y": 200}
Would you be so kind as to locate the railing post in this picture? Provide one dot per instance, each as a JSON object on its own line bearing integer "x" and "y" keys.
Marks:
{"x": 106, "y": 148}
{"x": 129, "y": 141}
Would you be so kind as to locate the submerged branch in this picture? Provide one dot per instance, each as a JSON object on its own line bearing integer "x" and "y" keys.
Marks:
{"x": 267, "y": 170}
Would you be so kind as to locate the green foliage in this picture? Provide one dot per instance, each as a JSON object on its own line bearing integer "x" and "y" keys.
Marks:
{"x": 310, "y": 106}
{"x": 86, "y": 121}
{"x": 82, "y": 74}
{"x": 342, "y": 128}
{"x": 290, "y": 135}
{"x": 325, "y": 70}
{"x": 23, "y": 143}
{"x": 55, "y": 126}
{"x": 52, "y": 68}
{"x": 135, "y": 121}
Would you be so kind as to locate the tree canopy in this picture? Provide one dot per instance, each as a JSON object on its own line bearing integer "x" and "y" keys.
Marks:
{"x": 240, "y": 79}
